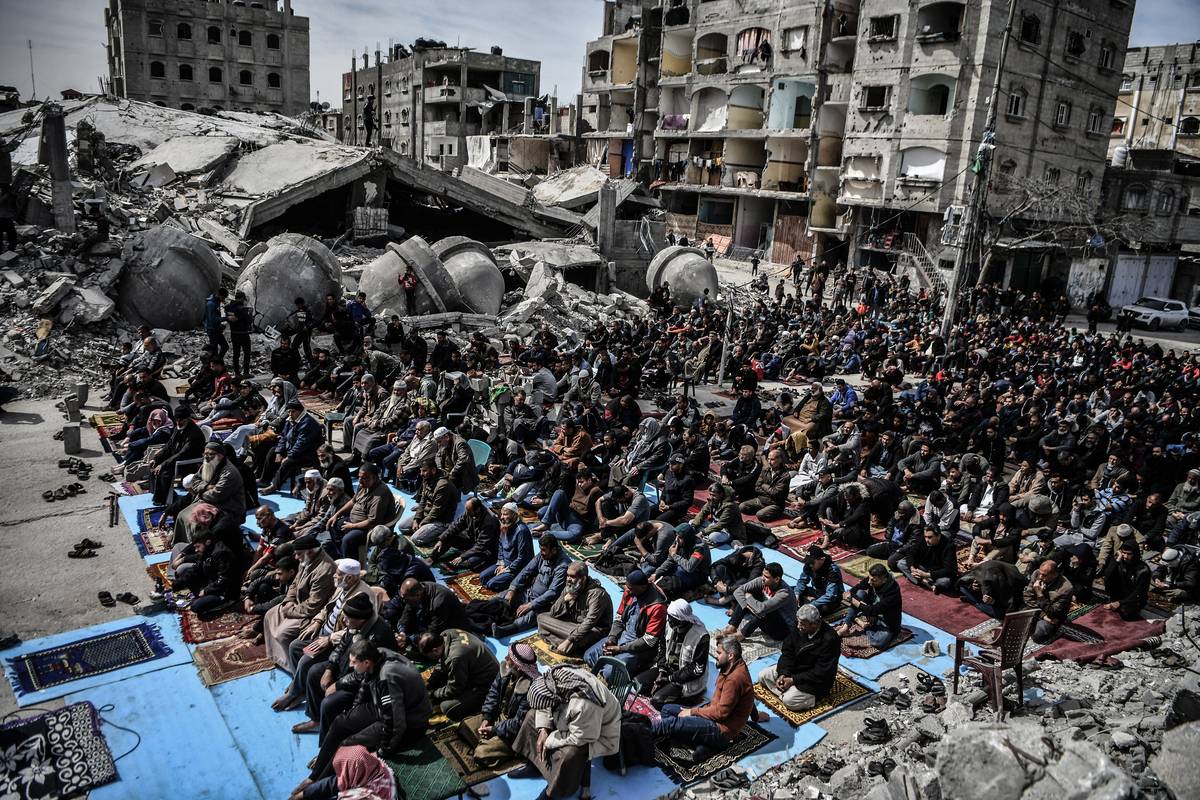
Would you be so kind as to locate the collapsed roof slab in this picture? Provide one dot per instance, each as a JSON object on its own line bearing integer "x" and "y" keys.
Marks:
{"x": 190, "y": 154}
{"x": 442, "y": 184}
{"x": 570, "y": 188}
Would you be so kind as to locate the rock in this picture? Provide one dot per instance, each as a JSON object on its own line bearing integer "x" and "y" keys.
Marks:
{"x": 543, "y": 282}
{"x": 21, "y": 299}
{"x": 13, "y": 278}
{"x": 52, "y": 295}
{"x": 1123, "y": 739}
{"x": 8, "y": 256}
{"x": 977, "y": 762}
{"x": 1184, "y": 707}
{"x": 523, "y": 311}
{"x": 1176, "y": 763}
{"x": 930, "y": 727}
{"x": 955, "y": 714}
{"x": 94, "y": 306}
{"x": 1083, "y": 773}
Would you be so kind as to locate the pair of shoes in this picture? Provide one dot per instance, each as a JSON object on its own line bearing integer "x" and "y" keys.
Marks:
{"x": 883, "y": 768}
{"x": 728, "y": 778}
{"x": 82, "y": 550}
{"x": 89, "y": 544}
{"x": 874, "y": 731}
{"x": 828, "y": 767}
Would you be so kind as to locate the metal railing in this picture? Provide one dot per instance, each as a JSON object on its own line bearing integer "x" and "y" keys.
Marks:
{"x": 918, "y": 257}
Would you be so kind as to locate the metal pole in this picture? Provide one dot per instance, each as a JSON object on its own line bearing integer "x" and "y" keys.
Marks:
{"x": 726, "y": 341}
{"x": 32, "y": 79}
{"x": 978, "y": 186}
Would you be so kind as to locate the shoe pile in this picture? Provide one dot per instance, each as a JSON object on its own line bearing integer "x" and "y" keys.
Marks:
{"x": 934, "y": 690}
{"x": 77, "y": 467}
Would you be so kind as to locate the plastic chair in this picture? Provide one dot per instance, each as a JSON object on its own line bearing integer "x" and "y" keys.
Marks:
{"x": 481, "y": 451}
{"x": 1004, "y": 649}
{"x": 620, "y": 683}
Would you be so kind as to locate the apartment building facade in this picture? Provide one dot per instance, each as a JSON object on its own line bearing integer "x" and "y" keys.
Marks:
{"x": 1154, "y": 176}
{"x": 845, "y": 130}
{"x": 224, "y": 54}
{"x": 429, "y": 100}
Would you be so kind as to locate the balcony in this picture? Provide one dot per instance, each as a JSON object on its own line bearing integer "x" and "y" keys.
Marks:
{"x": 449, "y": 127}
{"x": 597, "y": 78}
{"x": 443, "y": 94}
{"x": 939, "y": 22}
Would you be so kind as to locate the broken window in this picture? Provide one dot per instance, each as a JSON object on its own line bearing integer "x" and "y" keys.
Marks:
{"x": 1031, "y": 29}
{"x": 1075, "y": 44}
{"x": 1118, "y": 125}
{"x": 245, "y": 38}
{"x": 1095, "y": 120}
{"x": 274, "y": 80}
{"x": 155, "y": 27}
{"x": 1126, "y": 83}
{"x": 272, "y": 41}
{"x": 183, "y": 31}
{"x": 158, "y": 69}
{"x": 1016, "y": 103}
{"x": 1052, "y": 175}
{"x": 214, "y": 34}
{"x": 1083, "y": 182}
{"x": 883, "y": 28}
{"x": 246, "y": 78}
{"x": 795, "y": 40}
{"x": 1062, "y": 113}
{"x": 1134, "y": 198}
{"x": 214, "y": 75}
{"x": 1105, "y": 60}
{"x": 875, "y": 98}
{"x": 185, "y": 72}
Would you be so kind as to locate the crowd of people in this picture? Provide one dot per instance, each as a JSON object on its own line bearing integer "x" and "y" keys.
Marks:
{"x": 1060, "y": 458}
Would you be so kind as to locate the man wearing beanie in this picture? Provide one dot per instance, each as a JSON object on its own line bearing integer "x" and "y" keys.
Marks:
{"x": 639, "y": 626}
{"x": 1127, "y": 581}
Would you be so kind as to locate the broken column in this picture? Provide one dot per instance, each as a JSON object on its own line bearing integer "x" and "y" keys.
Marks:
{"x": 167, "y": 280}
{"x": 687, "y": 271}
{"x": 283, "y": 268}
{"x": 52, "y": 150}
{"x": 435, "y": 291}
{"x": 474, "y": 272}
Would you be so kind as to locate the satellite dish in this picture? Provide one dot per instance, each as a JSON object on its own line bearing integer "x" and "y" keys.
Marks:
{"x": 325, "y": 106}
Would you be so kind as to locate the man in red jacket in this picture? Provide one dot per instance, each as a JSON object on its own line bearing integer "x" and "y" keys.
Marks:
{"x": 714, "y": 725}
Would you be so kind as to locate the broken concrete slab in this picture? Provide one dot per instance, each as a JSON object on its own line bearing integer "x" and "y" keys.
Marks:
{"x": 570, "y": 188}
{"x": 473, "y": 269}
{"x": 285, "y": 164}
{"x": 223, "y": 236}
{"x": 52, "y": 295}
{"x": 13, "y": 278}
{"x": 168, "y": 280}
{"x": 190, "y": 154}
{"x": 543, "y": 282}
{"x": 1176, "y": 764}
{"x": 94, "y": 306}
{"x": 291, "y": 265}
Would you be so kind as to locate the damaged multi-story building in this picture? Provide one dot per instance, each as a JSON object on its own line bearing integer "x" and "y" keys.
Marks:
{"x": 227, "y": 55}
{"x": 1154, "y": 178}
{"x": 428, "y": 99}
{"x": 845, "y": 130}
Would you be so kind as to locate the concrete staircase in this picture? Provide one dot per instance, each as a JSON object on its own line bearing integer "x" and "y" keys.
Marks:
{"x": 924, "y": 269}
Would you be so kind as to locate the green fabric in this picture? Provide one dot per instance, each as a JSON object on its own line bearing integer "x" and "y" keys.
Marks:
{"x": 423, "y": 773}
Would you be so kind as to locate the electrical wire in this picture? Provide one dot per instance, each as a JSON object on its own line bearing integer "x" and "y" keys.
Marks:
{"x": 99, "y": 713}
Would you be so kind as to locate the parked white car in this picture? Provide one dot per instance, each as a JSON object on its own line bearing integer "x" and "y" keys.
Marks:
{"x": 1194, "y": 316}
{"x": 1158, "y": 312}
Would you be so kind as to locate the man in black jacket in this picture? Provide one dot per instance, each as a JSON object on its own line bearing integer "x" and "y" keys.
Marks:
{"x": 875, "y": 608}
{"x": 742, "y": 473}
{"x": 424, "y": 606}
{"x": 186, "y": 444}
{"x": 325, "y": 700}
{"x": 475, "y": 536}
{"x": 735, "y": 569}
{"x": 994, "y": 587}
{"x": 213, "y": 569}
{"x": 1127, "y": 581}
{"x": 678, "y": 490}
{"x": 285, "y": 361}
{"x": 930, "y": 562}
{"x": 808, "y": 662}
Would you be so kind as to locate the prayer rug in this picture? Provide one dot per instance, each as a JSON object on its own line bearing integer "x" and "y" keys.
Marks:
{"x": 468, "y": 587}
{"x": 583, "y": 552}
{"x": 857, "y": 646}
{"x": 1104, "y": 635}
{"x": 229, "y": 660}
{"x": 153, "y": 518}
{"x": 94, "y": 655}
{"x": 941, "y": 611}
{"x": 424, "y": 772}
{"x": 461, "y": 756}
{"x": 57, "y": 754}
{"x": 677, "y": 762}
{"x": 155, "y": 541}
{"x": 545, "y": 652}
{"x": 796, "y": 545}
{"x": 1068, "y": 633}
{"x": 128, "y": 489}
{"x": 640, "y": 704}
{"x": 200, "y": 631}
{"x": 106, "y": 423}
{"x": 775, "y": 523}
{"x": 845, "y": 690}
{"x": 857, "y": 567}
{"x": 753, "y": 648}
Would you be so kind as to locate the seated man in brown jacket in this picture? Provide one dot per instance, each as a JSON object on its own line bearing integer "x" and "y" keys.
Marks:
{"x": 771, "y": 489}
{"x": 1050, "y": 593}
{"x": 714, "y": 725}
{"x": 581, "y": 615}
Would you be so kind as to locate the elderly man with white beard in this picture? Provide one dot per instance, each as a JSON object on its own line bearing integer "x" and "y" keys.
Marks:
{"x": 218, "y": 486}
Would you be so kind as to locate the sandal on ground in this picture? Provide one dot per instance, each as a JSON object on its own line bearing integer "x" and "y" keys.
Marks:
{"x": 129, "y": 597}
{"x": 903, "y": 701}
{"x": 90, "y": 544}
{"x": 61, "y": 493}
{"x": 63, "y": 463}
{"x": 58, "y": 436}
{"x": 107, "y": 477}
{"x": 48, "y": 495}
{"x": 77, "y": 488}
{"x": 889, "y": 695}
{"x": 106, "y": 599}
{"x": 81, "y": 553}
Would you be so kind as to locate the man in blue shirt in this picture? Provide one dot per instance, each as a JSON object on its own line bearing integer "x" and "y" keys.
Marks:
{"x": 214, "y": 322}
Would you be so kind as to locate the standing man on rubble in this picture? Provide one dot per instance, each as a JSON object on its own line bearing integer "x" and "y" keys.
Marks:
{"x": 369, "y": 117}
{"x": 214, "y": 322}
{"x": 241, "y": 320}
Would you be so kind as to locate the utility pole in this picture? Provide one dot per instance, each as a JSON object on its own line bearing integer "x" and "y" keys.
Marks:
{"x": 728, "y": 338}
{"x": 970, "y": 223}
{"x": 32, "y": 79}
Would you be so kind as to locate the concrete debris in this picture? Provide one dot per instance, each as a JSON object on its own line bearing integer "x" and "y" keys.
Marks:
{"x": 168, "y": 279}
{"x": 1176, "y": 764}
{"x": 52, "y": 294}
{"x": 288, "y": 266}
{"x": 543, "y": 282}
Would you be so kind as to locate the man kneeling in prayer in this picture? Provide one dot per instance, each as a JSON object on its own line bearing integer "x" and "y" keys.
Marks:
{"x": 808, "y": 662}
